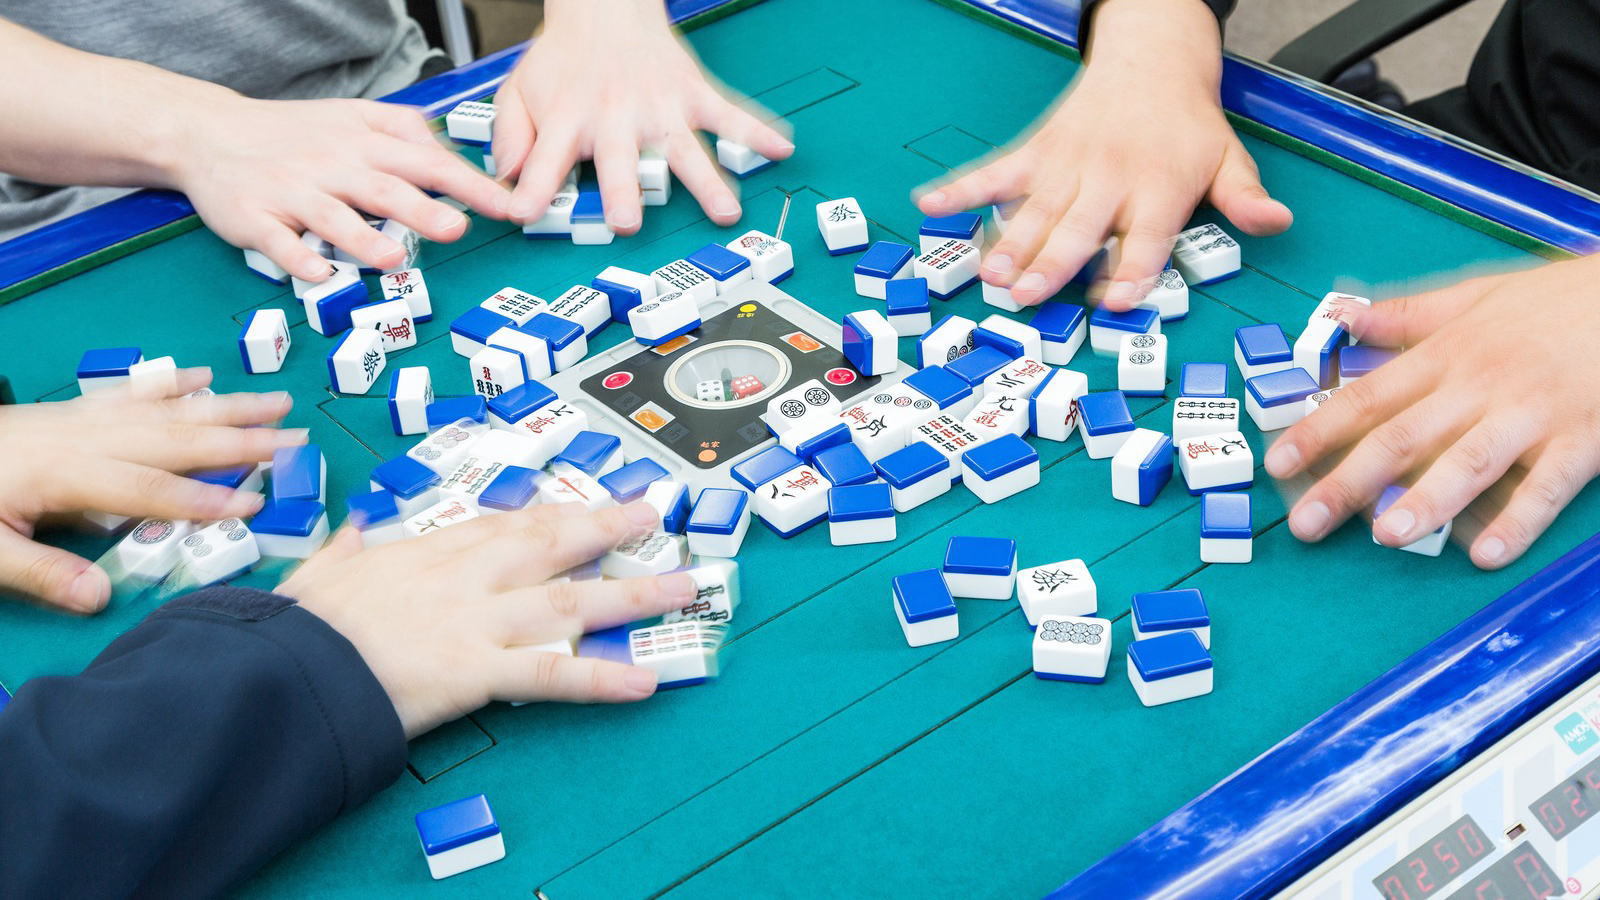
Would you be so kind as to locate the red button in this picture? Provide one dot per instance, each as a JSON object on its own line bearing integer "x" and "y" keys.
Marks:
{"x": 840, "y": 376}
{"x": 617, "y": 380}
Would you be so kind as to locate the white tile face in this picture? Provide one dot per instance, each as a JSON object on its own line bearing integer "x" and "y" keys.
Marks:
{"x": 447, "y": 512}
{"x": 257, "y": 262}
{"x": 948, "y": 266}
{"x": 1055, "y": 405}
{"x": 737, "y": 158}
{"x": 655, "y": 553}
{"x": 470, "y": 478}
{"x": 1058, "y": 589}
{"x": 470, "y": 121}
{"x": 669, "y": 312}
{"x": 510, "y": 448}
{"x": 1328, "y": 307}
{"x": 997, "y": 297}
{"x": 770, "y": 258}
{"x": 557, "y": 218}
{"x": 552, "y": 426}
{"x": 1215, "y": 460}
{"x": 998, "y": 414}
{"x": 792, "y": 499}
{"x": 1027, "y": 335}
{"x": 1142, "y": 364}
{"x": 1007, "y": 485}
{"x": 654, "y": 174}
{"x": 1169, "y": 690}
{"x": 153, "y": 378}
{"x": 408, "y": 285}
{"x": 842, "y": 224}
{"x": 495, "y": 371}
{"x": 357, "y": 363}
{"x": 444, "y": 448}
{"x": 1169, "y": 297}
{"x": 880, "y": 422}
{"x": 533, "y": 351}
{"x": 518, "y": 306}
{"x": 861, "y": 531}
{"x": 467, "y": 856}
{"x": 1314, "y": 402}
{"x": 1226, "y": 550}
{"x": 266, "y": 341}
{"x": 584, "y": 305}
{"x": 1125, "y": 464}
{"x": 571, "y": 486}
{"x": 1197, "y": 416}
{"x": 216, "y": 552}
{"x": 391, "y": 319}
{"x": 1205, "y": 253}
{"x": 1019, "y": 378}
{"x": 677, "y": 652}
{"x": 950, "y": 436}
{"x": 409, "y": 241}
{"x": 807, "y": 408}
{"x": 682, "y": 276}
{"x": 1073, "y": 648}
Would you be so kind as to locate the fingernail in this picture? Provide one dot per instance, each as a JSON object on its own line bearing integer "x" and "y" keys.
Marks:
{"x": 642, "y": 514}
{"x": 1029, "y": 283}
{"x": 90, "y": 590}
{"x": 1310, "y": 521}
{"x": 725, "y": 209}
{"x": 678, "y": 586}
{"x": 244, "y": 503}
{"x": 785, "y": 145}
{"x": 1492, "y": 551}
{"x": 1122, "y": 292}
{"x": 999, "y": 264}
{"x": 1283, "y": 459}
{"x": 449, "y": 220}
{"x": 274, "y": 399}
{"x": 937, "y": 197}
{"x": 639, "y": 681}
{"x": 290, "y": 437}
{"x": 1398, "y": 522}
{"x": 629, "y": 225}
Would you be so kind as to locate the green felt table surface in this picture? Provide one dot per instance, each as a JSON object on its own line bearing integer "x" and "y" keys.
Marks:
{"x": 831, "y": 759}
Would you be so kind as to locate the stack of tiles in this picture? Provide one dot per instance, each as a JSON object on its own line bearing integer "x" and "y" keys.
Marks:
{"x": 718, "y": 522}
{"x": 1261, "y": 350}
{"x": 951, "y": 267}
{"x": 681, "y": 654}
{"x": 1072, "y": 649}
{"x": 1226, "y": 535}
{"x": 1013, "y": 338}
{"x": 951, "y": 394}
{"x": 408, "y": 285}
{"x": 1317, "y": 348}
{"x": 1107, "y": 328}
{"x": 1141, "y": 467}
{"x": 414, "y": 486}
{"x": 924, "y": 607}
{"x": 1169, "y": 668}
{"x": 460, "y": 836}
{"x": 884, "y": 261}
{"x": 1156, "y": 613}
{"x": 981, "y": 568}
{"x": 624, "y": 289}
{"x": 716, "y": 594}
{"x": 290, "y": 529}
{"x": 905, "y": 304}
{"x": 842, "y": 225}
{"x": 771, "y": 260}
{"x": 1205, "y": 254}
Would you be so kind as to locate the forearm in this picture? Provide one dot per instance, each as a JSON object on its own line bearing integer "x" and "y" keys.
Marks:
{"x": 562, "y": 15}
{"x": 79, "y": 118}
{"x": 1171, "y": 42}
{"x": 193, "y": 749}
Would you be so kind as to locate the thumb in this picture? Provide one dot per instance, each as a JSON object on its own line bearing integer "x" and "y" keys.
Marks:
{"x": 1405, "y": 321}
{"x": 56, "y": 577}
{"x": 1237, "y": 193}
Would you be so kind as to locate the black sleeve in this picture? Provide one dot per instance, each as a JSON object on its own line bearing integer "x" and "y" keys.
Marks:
{"x": 208, "y": 738}
{"x": 1222, "y": 9}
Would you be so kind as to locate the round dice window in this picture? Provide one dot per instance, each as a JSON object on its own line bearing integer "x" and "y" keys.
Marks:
{"x": 728, "y": 374}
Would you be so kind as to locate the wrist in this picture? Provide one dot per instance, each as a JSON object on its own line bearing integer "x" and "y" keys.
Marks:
{"x": 179, "y": 139}
{"x": 1174, "y": 44}
{"x": 564, "y": 15}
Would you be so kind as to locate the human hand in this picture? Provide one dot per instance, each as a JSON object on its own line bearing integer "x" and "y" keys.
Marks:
{"x": 1480, "y": 393}
{"x": 605, "y": 78}
{"x": 447, "y": 622}
{"x": 260, "y": 172}
{"x": 1135, "y": 144}
{"x": 114, "y": 453}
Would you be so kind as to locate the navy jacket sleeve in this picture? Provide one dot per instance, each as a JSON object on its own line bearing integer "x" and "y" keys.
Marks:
{"x": 227, "y": 724}
{"x": 1086, "y": 13}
